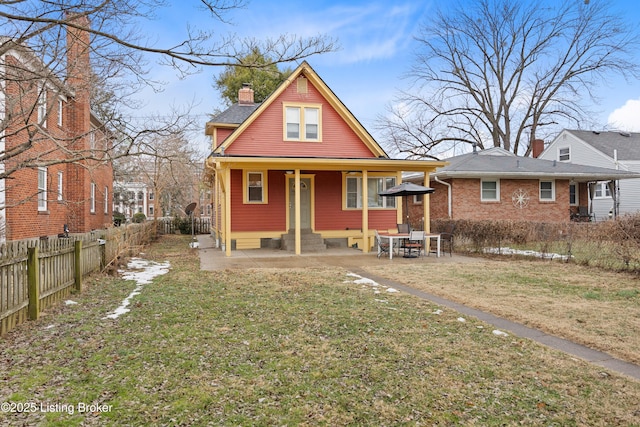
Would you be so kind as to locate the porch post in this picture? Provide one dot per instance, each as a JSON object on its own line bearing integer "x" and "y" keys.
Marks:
{"x": 426, "y": 203}
{"x": 297, "y": 213}
{"x": 365, "y": 212}
{"x": 399, "y": 204}
{"x": 226, "y": 218}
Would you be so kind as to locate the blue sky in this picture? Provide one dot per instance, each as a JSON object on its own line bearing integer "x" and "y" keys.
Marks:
{"x": 377, "y": 49}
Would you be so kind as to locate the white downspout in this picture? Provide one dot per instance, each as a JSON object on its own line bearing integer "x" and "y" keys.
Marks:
{"x": 449, "y": 207}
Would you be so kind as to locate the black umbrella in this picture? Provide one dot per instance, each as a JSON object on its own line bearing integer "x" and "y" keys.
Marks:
{"x": 406, "y": 189}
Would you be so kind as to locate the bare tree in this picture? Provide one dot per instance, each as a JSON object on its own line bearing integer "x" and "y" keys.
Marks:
{"x": 503, "y": 73}
{"x": 37, "y": 33}
{"x": 170, "y": 168}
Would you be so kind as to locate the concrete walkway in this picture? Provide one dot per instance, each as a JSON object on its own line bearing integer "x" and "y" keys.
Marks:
{"x": 355, "y": 261}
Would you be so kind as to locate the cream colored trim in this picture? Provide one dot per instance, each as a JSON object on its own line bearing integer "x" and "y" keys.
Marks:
{"x": 245, "y": 187}
{"x": 302, "y": 131}
{"x": 312, "y": 178}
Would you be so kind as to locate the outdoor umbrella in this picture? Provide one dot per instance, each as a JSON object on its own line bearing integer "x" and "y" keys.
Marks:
{"x": 406, "y": 189}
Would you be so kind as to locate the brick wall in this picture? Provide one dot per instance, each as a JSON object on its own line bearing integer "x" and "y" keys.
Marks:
{"x": 466, "y": 203}
{"x": 23, "y": 219}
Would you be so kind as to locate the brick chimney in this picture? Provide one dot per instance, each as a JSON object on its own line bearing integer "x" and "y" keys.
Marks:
{"x": 245, "y": 94}
{"x": 537, "y": 147}
{"x": 78, "y": 118}
{"x": 79, "y": 73}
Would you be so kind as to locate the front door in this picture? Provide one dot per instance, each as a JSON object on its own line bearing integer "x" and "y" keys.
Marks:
{"x": 305, "y": 203}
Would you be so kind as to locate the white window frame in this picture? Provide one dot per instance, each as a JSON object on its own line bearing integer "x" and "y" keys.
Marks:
{"x": 602, "y": 191}
{"x": 106, "y": 200}
{"x": 564, "y": 154}
{"x": 42, "y": 189}
{"x": 42, "y": 105}
{"x": 60, "y": 187}
{"x": 576, "y": 195}
{"x": 300, "y": 119}
{"x": 375, "y": 201}
{"x": 92, "y": 199}
{"x": 544, "y": 191}
{"x": 483, "y": 190}
{"x": 60, "y": 112}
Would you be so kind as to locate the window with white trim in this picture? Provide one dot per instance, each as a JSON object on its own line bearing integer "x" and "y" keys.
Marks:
{"x": 547, "y": 191}
{"x": 602, "y": 191}
{"x": 106, "y": 200}
{"x": 490, "y": 190}
{"x": 573, "y": 194}
{"x": 375, "y": 185}
{"x": 92, "y": 199}
{"x": 564, "y": 154}
{"x": 42, "y": 105}
{"x": 302, "y": 123}
{"x": 60, "y": 186}
{"x": 42, "y": 189}
{"x": 60, "y": 111}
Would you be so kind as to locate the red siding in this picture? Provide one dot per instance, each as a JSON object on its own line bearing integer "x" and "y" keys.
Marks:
{"x": 329, "y": 213}
{"x": 264, "y": 137}
{"x": 254, "y": 217}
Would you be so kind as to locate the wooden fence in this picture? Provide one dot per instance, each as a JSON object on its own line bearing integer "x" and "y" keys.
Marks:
{"x": 37, "y": 274}
{"x": 183, "y": 225}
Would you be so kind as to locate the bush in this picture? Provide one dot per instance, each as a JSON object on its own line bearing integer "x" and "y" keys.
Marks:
{"x": 612, "y": 245}
{"x": 139, "y": 218}
{"x": 183, "y": 224}
{"x": 118, "y": 219}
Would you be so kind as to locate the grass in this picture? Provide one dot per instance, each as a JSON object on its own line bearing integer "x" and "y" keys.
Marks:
{"x": 297, "y": 347}
{"x": 597, "y": 308}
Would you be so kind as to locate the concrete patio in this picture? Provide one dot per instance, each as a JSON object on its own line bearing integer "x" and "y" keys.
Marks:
{"x": 212, "y": 258}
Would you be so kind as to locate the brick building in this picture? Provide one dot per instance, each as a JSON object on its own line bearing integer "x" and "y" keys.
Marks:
{"x": 50, "y": 131}
{"x": 497, "y": 184}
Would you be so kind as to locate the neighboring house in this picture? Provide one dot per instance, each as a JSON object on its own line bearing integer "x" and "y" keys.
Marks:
{"x": 54, "y": 120}
{"x": 130, "y": 198}
{"x": 615, "y": 150}
{"x": 299, "y": 168}
{"x": 497, "y": 184}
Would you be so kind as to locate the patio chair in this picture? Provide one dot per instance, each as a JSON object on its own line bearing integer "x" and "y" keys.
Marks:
{"x": 383, "y": 247}
{"x": 583, "y": 214}
{"x": 446, "y": 240}
{"x": 403, "y": 228}
{"x": 415, "y": 242}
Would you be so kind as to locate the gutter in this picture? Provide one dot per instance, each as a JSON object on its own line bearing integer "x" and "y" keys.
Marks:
{"x": 436, "y": 179}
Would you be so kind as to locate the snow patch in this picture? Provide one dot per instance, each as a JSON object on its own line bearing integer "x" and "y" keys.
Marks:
{"x": 143, "y": 272}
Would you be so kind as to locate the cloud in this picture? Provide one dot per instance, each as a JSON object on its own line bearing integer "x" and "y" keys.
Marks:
{"x": 626, "y": 117}
{"x": 365, "y": 32}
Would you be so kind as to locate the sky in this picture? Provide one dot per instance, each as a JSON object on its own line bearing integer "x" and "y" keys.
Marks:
{"x": 377, "y": 48}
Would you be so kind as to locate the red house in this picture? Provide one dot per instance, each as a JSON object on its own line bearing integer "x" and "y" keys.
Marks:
{"x": 49, "y": 127}
{"x": 300, "y": 172}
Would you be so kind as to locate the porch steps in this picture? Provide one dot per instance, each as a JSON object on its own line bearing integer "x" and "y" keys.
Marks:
{"x": 310, "y": 242}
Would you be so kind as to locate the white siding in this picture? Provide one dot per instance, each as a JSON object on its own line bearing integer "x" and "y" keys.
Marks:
{"x": 582, "y": 153}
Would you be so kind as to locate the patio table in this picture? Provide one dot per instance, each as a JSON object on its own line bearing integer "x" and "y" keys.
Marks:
{"x": 398, "y": 236}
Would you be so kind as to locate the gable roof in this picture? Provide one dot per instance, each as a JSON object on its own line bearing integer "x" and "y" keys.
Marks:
{"x": 625, "y": 144}
{"x": 242, "y": 116}
{"x": 499, "y": 163}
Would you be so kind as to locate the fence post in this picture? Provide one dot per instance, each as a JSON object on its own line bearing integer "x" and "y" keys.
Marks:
{"x": 78, "y": 259}
{"x": 33, "y": 282}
